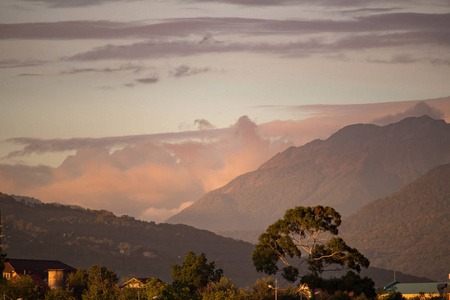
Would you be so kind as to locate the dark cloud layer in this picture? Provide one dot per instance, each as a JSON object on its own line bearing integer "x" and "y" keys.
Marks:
{"x": 203, "y": 26}
{"x": 326, "y": 3}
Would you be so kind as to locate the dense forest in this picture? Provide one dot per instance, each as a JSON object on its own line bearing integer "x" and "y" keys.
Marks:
{"x": 409, "y": 230}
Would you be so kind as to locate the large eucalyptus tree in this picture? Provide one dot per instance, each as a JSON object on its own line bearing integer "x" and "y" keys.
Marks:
{"x": 305, "y": 236}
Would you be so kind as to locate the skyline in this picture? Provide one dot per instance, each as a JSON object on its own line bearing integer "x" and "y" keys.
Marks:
{"x": 141, "y": 107}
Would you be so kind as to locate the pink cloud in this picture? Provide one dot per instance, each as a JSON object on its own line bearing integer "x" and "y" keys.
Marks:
{"x": 154, "y": 176}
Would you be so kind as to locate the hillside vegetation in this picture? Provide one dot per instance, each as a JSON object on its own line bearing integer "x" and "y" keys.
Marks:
{"x": 83, "y": 237}
{"x": 409, "y": 230}
{"x": 356, "y": 165}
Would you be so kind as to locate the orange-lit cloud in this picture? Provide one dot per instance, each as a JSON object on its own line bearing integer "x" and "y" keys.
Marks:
{"x": 153, "y": 177}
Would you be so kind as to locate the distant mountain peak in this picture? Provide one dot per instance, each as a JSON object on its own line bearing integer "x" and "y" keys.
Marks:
{"x": 356, "y": 165}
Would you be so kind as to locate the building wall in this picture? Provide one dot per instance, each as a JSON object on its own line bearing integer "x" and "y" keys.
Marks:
{"x": 56, "y": 279}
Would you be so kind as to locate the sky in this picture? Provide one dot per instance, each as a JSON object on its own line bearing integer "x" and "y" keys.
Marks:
{"x": 141, "y": 107}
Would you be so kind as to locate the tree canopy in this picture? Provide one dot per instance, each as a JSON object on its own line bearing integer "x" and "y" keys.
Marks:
{"x": 306, "y": 235}
{"x": 195, "y": 272}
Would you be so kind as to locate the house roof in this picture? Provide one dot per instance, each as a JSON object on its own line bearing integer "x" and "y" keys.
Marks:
{"x": 141, "y": 280}
{"x": 35, "y": 266}
{"x": 417, "y": 288}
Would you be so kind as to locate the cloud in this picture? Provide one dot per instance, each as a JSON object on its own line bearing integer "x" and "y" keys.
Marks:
{"x": 40, "y": 146}
{"x": 152, "y": 176}
{"x": 21, "y": 178}
{"x": 418, "y": 110}
{"x": 148, "y": 80}
{"x": 15, "y": 63}
{"x": 29, "y": 74}
{"x": 311, "y": 45}
{"x": 327, "y": 3}
{"x": 73, "y": 3}
{"x": 162, "y": 214}
{"x": 184, "y": 71}
{"x": 203, "y": 124}
{"x": 125, "y": 67}
{"x": 207, "y": 27}
{"x": 262, "y": 3}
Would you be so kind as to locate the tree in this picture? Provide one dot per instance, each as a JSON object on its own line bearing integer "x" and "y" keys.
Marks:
{"x": 77, "y": 283}
{"x": 222, "y": 290}
{"x": 350, "y": 282}
{"x": 195, "y": 272}
{"x": 261, "y": 289}
{"x": 59, "y": 293}
{"x": 306, "y": 235}
{"x": 26, "y": 287}
{"x": 102, "y": 284}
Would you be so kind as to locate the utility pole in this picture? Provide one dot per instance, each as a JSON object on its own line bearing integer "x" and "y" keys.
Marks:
{"x": 275, "y": 288}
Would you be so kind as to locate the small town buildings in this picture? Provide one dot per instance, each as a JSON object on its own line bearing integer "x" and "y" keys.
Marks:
{"x": 51, "y": 272}
{"x": 429, "y": 289}
{"x": 136, "y": 283}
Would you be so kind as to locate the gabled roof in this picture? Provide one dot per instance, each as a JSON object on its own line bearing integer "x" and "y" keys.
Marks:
{"x": 140, "y": 280}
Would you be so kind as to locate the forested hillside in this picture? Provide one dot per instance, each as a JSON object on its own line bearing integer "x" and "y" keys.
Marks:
{"x": 83, "y": 237}
{"x": 409, "y": 230}
{"x": 132, "y": 248}
{"x": 356, "y": 165}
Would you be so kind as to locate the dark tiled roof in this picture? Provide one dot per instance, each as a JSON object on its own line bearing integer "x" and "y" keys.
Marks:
{"x": 35, "y": 266}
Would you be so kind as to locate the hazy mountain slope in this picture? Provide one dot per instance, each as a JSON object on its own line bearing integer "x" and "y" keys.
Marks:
{"x": 356, "y": 165}
{"x": 81, "y": 238}
{"x": 409, "y": 230}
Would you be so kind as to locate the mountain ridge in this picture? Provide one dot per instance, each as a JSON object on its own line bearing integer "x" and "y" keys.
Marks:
{"x": 414, "y": 221}
{"x": 357, "y": 164}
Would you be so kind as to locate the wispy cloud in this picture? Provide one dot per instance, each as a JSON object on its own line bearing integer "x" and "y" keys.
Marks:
{"x": 15, "y": 63}
{"x": 184, "y": 71}
{"x": 125, "y": 67}
{"x": 74, "y": 3}
{"x": 148, "y": 80}
{"x": 153, "y": 49}
{"x": 326, "y": 3}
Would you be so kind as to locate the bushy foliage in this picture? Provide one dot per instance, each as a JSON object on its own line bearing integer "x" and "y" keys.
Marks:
{"x": 25, "y": 287}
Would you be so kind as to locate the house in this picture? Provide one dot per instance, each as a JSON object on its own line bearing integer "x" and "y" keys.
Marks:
{"x": 429, "y": 289}
{"x": 136, "y": 283}
{"x": 51, "y": 272}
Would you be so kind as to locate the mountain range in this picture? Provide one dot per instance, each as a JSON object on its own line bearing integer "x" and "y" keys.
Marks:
{"x": 391, "y": 183}
{"x": 409, "y": 230}
{"x": 355, "y": 166}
